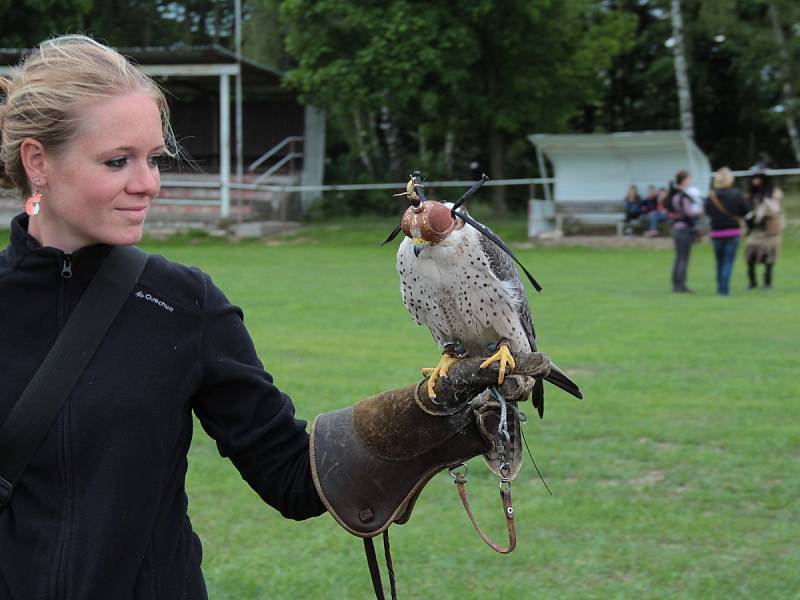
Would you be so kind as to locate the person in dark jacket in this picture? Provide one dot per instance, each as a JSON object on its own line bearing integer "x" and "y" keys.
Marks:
{"x": 725, "y": 208}
{"x": 633, "y": 208}
{"x": 681, "y": 209}
{"x": 101, "y": 510}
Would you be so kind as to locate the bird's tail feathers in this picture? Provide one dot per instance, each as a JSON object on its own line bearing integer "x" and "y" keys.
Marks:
{"x": 558, "y": 378}
{"x": 537, "y": 397}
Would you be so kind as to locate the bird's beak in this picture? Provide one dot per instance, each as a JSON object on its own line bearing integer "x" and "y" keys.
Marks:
{"x": 419, "y": 245}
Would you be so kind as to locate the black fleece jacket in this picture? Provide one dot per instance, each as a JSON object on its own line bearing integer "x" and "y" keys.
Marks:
{"x": 731, "y": 199}
{"x": 100, "y": 512}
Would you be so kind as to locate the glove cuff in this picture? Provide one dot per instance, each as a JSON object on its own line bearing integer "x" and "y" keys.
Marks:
{"x": 370, "y": 461}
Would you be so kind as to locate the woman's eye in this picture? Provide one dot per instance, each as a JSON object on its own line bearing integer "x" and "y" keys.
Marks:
{"x": 160, "y": 161}
{"x": 117, "y": 163}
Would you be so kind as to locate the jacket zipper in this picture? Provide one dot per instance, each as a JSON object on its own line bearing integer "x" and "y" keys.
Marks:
{"x": 66, "y": 267}
{"x": 60, "y": 576}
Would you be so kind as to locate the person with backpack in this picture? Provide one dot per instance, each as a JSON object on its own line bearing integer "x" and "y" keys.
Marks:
{"x": 725, "y": 208}
{"x": 682, "y": 210}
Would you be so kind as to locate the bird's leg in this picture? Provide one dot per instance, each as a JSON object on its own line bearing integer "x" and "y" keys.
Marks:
{"x": 502, "y": 354}
{"x": 453, "y": 351}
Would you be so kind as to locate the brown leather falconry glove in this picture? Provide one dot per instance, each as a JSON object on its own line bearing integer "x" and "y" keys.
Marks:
{"x": 370, "y": 461}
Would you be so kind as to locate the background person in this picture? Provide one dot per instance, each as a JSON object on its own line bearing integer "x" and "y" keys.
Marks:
{"x": 683, "y": 212}
{"x": 650, "y": 201}
{"x": 633, "y": 208}
{"x": 765, "y": 228}
{"x": 725, "y": 207}
{"x": 659, "y": 214}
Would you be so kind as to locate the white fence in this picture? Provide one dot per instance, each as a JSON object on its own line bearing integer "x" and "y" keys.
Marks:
{"x": 226, "y": 186}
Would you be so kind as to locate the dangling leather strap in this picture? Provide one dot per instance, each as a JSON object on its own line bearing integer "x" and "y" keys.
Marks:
{"x": 505, "y": 495}
{"x": 389, "y": 567}
{"x": 374, "y": 568}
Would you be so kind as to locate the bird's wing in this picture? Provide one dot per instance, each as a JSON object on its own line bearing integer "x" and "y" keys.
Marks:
{"x": 503, "y": 268}
{"x": 501, "y": 265}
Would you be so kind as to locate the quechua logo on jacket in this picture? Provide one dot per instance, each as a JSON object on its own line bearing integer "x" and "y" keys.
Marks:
{"x": 150, "y": 298}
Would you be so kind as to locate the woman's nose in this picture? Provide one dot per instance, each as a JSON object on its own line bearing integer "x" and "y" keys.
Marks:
{"x": 145, "y": 180}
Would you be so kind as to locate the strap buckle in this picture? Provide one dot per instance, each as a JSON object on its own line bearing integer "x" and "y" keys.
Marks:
{"x": 6, "y": 489}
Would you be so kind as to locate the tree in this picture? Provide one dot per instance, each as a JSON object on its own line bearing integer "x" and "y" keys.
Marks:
{"x": 681, "y": 69}
{"x": 132, "y": 23}
{"x": 788, "y": 76}
{"x": 25, "y": 24}
{"x": 419, "y": 79}
{"x": 736, "y": 78}
{"x": 264, "y": 36}
{"x": 162, "y": 22}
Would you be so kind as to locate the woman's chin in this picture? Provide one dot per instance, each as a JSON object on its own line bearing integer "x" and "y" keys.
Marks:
{"x": 127, "y": 236}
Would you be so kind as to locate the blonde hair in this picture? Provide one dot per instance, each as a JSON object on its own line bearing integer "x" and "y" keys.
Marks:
{"x": 723, "y": 178}
{"x": 47, "y": 90}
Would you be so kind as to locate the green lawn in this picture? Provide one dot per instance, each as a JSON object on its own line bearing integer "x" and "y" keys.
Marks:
{"x": 677, "y": 477}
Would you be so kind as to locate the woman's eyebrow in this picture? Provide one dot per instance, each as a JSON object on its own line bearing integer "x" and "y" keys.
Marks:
{"x": 132, "y": 149}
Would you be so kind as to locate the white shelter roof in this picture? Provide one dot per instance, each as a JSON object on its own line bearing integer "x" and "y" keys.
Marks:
{"x": 601, "y": 166}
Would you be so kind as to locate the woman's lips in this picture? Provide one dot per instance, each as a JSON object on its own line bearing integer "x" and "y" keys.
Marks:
{"x": 134, "y": 212}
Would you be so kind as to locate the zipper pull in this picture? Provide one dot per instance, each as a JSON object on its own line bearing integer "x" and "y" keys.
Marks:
{"x": 66, "y": 270}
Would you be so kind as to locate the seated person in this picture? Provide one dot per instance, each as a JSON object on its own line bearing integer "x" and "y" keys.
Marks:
{"x": 633, "y": 208}
{"x": 650, "y": 202}
{"x": 659, "y": 214}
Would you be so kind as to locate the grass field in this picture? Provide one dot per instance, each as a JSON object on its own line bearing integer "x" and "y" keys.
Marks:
{"x": 677, "y": 477}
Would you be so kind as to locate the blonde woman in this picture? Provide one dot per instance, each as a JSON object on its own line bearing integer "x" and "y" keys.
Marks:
{"x": 100, "y": 511}
{"x": 725, "y": 208}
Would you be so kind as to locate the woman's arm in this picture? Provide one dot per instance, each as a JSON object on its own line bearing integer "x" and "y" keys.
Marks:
{"x": 251, "y": 420}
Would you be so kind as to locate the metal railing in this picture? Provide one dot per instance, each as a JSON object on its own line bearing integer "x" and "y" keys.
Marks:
{"x": 290, "y": 156}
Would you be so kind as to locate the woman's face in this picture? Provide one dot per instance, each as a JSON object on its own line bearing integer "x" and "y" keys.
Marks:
{"x": 100, "y": 185}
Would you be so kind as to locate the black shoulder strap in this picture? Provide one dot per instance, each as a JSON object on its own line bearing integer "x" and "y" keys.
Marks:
{"x": 40, "y": 403}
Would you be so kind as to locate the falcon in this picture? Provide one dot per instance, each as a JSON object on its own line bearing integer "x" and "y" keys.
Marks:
{"x": 458, "y": 279}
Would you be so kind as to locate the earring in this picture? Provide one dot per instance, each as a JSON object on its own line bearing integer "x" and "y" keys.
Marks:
{"x": 32, "y": 206}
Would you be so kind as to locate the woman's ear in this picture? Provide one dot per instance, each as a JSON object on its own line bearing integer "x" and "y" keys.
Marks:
{"x": 34, "y": 159}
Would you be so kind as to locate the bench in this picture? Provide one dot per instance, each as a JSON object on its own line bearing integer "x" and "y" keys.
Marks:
{"x": 590, "y": 213}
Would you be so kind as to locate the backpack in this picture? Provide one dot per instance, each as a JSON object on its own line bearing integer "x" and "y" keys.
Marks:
{"x": 674, "y": 210}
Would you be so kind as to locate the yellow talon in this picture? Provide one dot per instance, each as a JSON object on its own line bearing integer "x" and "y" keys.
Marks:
{"x": 439, "y": 370}
{"x": 505, "y": 357}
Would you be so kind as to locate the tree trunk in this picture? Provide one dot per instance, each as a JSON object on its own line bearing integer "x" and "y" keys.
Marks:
{"x": 681, "y": 71}
{"x": 358, "y": 139}
{"x": 391, "y": 135}
{"x": 374, "y": 146}
{"x": 449, "y": 148}
{"x": 789, "y": 93}
{"x": 217, "y": 21}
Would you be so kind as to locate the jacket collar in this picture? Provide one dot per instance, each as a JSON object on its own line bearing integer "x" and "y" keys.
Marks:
{"x": 24, "y": 246}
